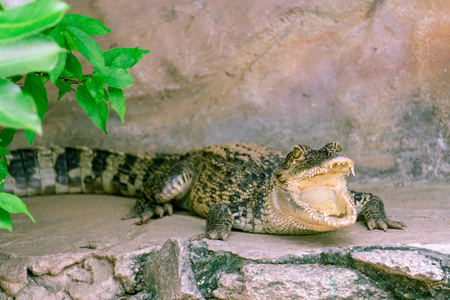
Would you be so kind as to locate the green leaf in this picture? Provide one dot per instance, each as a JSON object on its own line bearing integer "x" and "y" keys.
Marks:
{"x": 86, "y": 46}
{"x": 115, "y": 77}
{"x": 29, "y": 136}
{"x": 56, "y": 72}
{"x": 99, "y": 115}
{"x": 6, "y": 136}
{"x": 5, "y": 220}
{"x": 64, "y": 87}
{"x": 17, "y": 109}
{"x": 97, "y": 112}
{"x": 84, "y": 99}
{"x": 106, "y": 96}
{"x": 117, "y": 101}
{"x": 2, "y": 182}
{"x": 3, "y": 167}
{"x": 3, "y": 160}
{"x": 95, "y": 88}
{"x": 88, "y": 25}
{"x": 73, "y": 66}
{"x": 3, "y": 151}
{"x": 35, "y": 53}
{"x": 33, "y": 85}
{"x": 44, "y": 79}
{"x": 28, "y": 19}
{"x": 91, "y": 87}
{"x": 58, "y": 36}
{"x": 13, "y": 205}
{"x": 124, "y": 57}
{"x": 69, "y": 41}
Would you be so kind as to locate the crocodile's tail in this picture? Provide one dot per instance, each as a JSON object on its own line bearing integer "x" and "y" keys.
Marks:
{"x": 55, "y": 170}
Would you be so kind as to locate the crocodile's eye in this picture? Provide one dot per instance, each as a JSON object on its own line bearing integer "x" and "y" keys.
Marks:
{"x": 338, "y": 147}
{"x": 296, "y": 152}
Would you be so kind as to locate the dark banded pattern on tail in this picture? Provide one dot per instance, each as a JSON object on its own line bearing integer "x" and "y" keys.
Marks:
{"x": 55, "y": 170}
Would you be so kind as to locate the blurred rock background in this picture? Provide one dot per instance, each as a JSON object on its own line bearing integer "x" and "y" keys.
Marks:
{"x": 373, "y": 75}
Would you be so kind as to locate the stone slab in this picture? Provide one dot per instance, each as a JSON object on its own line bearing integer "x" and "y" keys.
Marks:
{"x": 80, "y": 246}
{"x": 265, "y": 281}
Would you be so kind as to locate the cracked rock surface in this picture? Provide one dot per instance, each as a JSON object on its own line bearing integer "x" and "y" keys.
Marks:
{"x": 268, "y": 281}
{"x": 81, "y": 249}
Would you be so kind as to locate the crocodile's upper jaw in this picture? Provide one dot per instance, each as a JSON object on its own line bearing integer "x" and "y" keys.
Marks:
{"x": 317, "y": 199}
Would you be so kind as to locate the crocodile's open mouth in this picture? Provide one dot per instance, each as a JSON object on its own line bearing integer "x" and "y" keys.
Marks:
{"x": 324, "y": 189}
{"x": 320, "y": 197}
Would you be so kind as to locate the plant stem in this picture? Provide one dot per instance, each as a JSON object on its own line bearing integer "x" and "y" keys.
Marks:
{"x": 71, "y": 80}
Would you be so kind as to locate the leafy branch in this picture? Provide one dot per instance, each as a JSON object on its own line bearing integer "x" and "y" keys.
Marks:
{"x": 71, "y": 80}
{"x": 39, "y": 40}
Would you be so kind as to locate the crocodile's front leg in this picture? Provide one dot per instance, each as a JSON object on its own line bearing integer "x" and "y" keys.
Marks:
{"x": 371, "y": 208}
{"x": 162, "y": 188}
{"x": 219, "y": 222}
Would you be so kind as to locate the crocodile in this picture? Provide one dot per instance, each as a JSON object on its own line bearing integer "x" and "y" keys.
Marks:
{"x": 242, "y": 186}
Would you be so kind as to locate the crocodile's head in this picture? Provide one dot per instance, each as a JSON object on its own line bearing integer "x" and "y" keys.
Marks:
{"x": 310, "y": 189}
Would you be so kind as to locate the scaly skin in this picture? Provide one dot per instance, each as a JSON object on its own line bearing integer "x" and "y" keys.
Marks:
{"x": 242, "y": 186}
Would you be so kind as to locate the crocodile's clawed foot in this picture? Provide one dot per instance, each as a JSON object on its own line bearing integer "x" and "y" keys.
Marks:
{"x": 154, "y": 211}
{"x": 197, "y": 237}
{"x": 147, "y": 211}
{"x": 214, "y": 234}
{"x": 218, "y": 234}
{"x": 131, "y": 215}
{"x": 384, "y": 223}
{"x": 374, "y": 213}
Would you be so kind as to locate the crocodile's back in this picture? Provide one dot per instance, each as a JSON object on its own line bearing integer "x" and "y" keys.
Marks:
{"x": 232, "y": 173}
{"x": 38, "y": 171}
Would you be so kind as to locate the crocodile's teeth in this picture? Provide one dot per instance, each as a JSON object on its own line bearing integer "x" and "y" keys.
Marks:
{"x": 353, "y": 170}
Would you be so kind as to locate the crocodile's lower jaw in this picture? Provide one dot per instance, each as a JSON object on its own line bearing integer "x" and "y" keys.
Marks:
{"x": 326, "y": 209}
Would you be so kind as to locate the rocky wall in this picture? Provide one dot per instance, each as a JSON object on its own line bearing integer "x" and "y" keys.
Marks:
{"x": 372, "y": 74}
{"x": 183, "y": 270}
